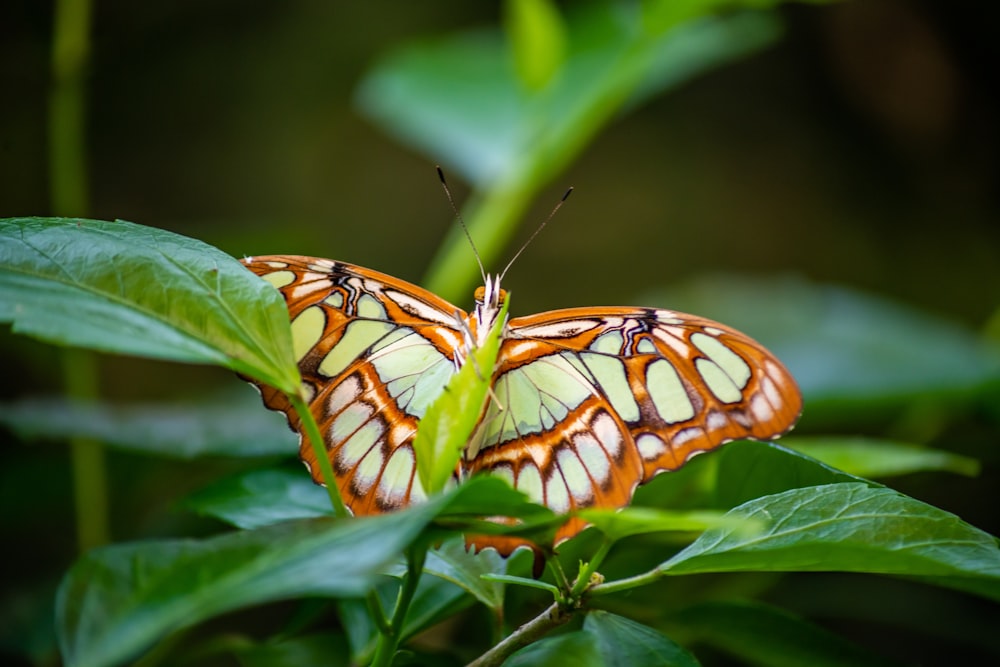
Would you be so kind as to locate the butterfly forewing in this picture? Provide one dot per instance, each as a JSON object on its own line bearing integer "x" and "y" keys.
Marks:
{"x": 373, "y": 352}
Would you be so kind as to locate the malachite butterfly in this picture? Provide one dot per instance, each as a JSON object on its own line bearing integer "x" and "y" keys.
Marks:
{"x": 587, "y": 403}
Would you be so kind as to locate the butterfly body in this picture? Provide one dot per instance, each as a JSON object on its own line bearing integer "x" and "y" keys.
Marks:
{"x": 585, "y": 403}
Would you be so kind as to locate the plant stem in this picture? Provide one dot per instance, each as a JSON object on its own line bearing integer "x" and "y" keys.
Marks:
{"x": 312, "y": 434}
{"x": 388, "y": 642}
{"x": 554, "y": 616}
{"x": 90, "y": 485}
{"x": 627, "y": 583}
{"x": 586, "y": 574}
{"x": 68, "y": 192}
{"x": 67, "y": 108}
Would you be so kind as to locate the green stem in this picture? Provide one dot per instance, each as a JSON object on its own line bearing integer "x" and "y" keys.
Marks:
{"x": 67, "y": 108}
{"x": 68, "y": 192}
{"x": 90, "y": 485}
{"x": 584, "y": 579}
{"x": 312, "y": 434}
{"x": 388, "y": 642}
{"x": 627, "y": 583}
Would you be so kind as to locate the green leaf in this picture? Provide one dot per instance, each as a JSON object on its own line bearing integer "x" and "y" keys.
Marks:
{"x": 208, "y": 426}
{"x": 624, "y": 642}
{"x": 116, "y": 601}
{"x": 759, "y": 634}
{"x": 748, "y": 470}
{"x": 871, "y": 457}
{"x": 537, "y": 40}
{"x": 844, "y": 347}
{"x": 259, "y": 498}
{"x": 850, "y": 528}
{"x": 445, "y": 429}
{"x": 620, "y": 523}
{"x": 452, "y": 562}
{"x": 573, "y": 648}
{"x": 127, "y": 289}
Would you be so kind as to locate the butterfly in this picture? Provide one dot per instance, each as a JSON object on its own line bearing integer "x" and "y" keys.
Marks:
{"x": 586, "y": 403}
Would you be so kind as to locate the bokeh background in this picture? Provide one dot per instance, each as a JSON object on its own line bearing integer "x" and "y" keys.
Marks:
{"x": 859, "y": 149}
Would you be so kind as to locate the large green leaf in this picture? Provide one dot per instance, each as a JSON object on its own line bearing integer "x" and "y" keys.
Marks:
{"x": 759, "y": 634}
{"x": 117, "y": 600}
{"x": 208, "y": 426}
{"x": 623, "y": 642}
{"x": 848, "y": 527}
{"x": 127, "y": 289}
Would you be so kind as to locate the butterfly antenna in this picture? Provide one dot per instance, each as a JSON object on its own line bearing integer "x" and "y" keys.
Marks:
{"x": 461, "y": 221}
{"x": 535, "y": 233}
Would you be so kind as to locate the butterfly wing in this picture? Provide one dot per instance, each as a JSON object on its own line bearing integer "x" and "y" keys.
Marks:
{"x": 374, "y": 352}
{"x": 595, "y": 401}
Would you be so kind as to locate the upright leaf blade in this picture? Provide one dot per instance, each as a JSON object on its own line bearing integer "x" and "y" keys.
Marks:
{"x": 128, "y": 289}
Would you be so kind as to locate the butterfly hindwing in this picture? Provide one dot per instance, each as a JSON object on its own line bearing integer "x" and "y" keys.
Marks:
{"x": 598, "y": 400}
{"x": 373, "y": 352}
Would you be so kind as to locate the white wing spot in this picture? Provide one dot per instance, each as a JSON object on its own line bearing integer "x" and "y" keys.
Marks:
{"x": 557, "y": 330}
{"x": 556, "y": 493}
{"x": 716, "y": 421}
{"x": 593, "y": 457}
{"x": 685, "y": 435}
{"x": 575, "y": 476}
{"x": 418, "y": 308}
{"x": 668, "y": 317}
{"x": 608, "y": 434}
{"x": 344, "y": 393}
{"x": 771, "y": 391}
{"x": 368, "y": 470}
{"x": 395, "y": 479}
{"x": 651, "y": 447}
{"x": 762, "y": 410}
{"x": 673, "y": 338}
{"x": 322, "y": 265}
